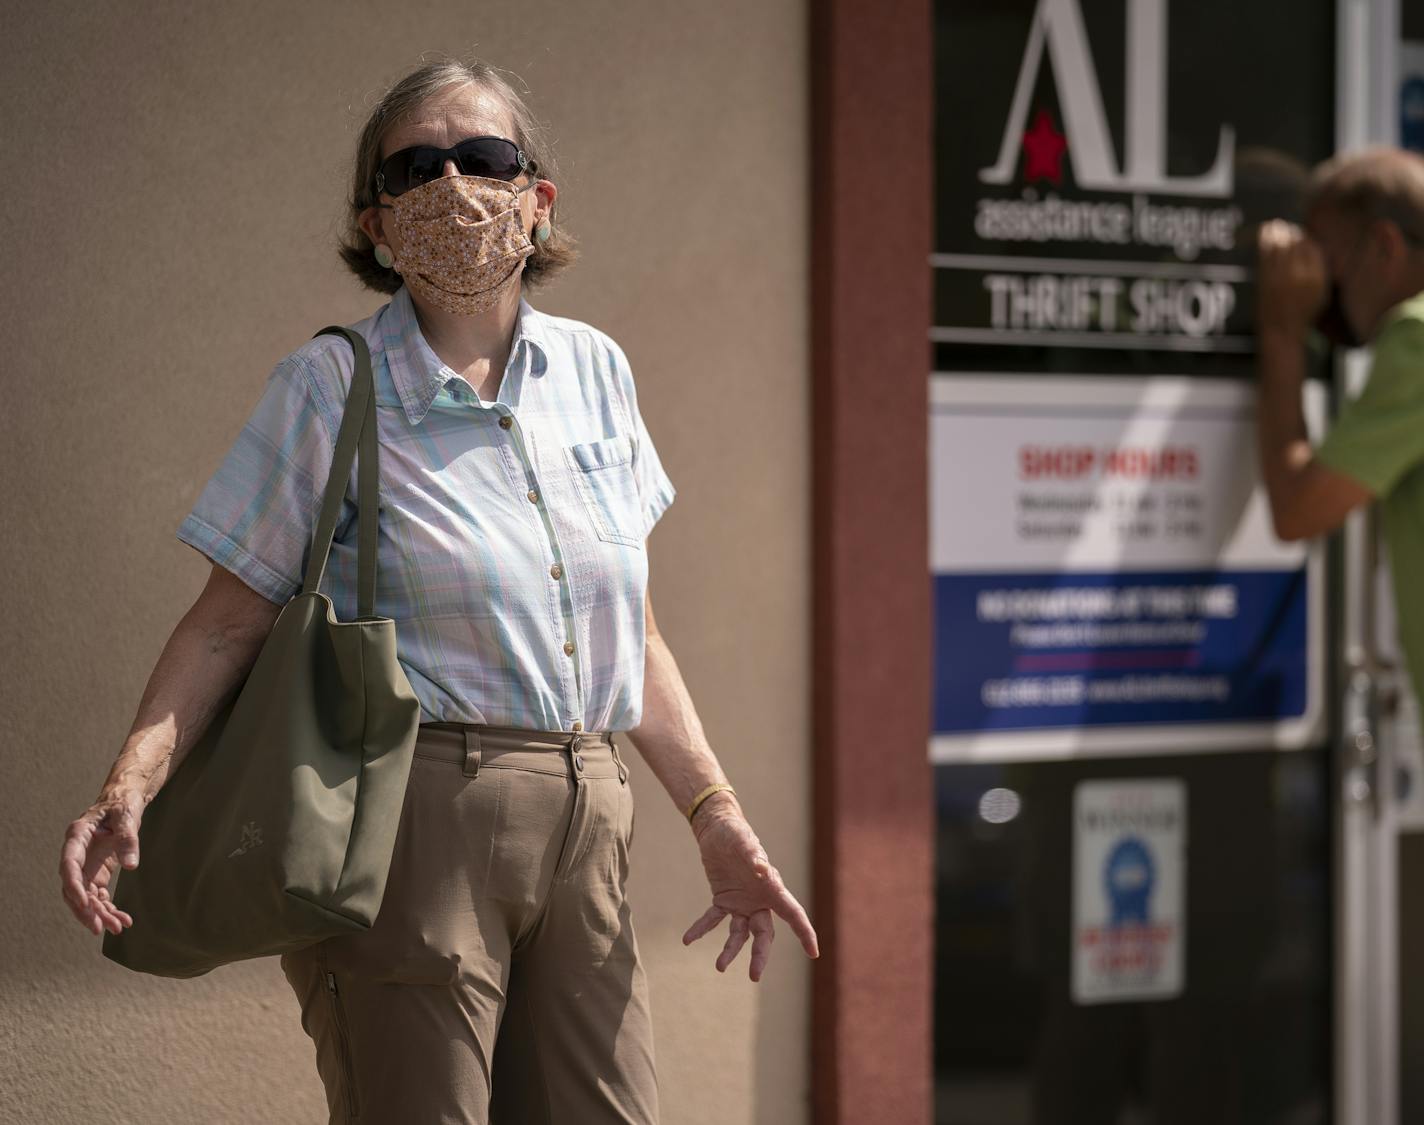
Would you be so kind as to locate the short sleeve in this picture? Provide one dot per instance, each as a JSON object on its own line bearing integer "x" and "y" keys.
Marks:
{"x": 655, "y": 489}
{"x": 1380, "y": 435}
{"x": 256, "y": 514}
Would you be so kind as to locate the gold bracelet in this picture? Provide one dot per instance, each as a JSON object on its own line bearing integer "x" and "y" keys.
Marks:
{"x": 696, "y": 801}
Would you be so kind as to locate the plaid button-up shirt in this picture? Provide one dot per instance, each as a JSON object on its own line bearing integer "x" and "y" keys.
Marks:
{"x": 511, "y": 551}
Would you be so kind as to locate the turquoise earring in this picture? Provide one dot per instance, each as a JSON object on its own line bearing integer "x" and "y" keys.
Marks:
{"x": 384, "y": 255}
{"x": 543, "y": 230}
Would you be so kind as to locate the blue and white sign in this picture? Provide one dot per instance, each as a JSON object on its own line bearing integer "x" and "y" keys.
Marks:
{"x": 1106, "y": 578}
{"x": 1411, "y": 95}
{"x": 1129, "y": 890}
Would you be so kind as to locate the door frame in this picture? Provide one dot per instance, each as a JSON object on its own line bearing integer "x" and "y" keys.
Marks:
{"x": 1366, "y": 923}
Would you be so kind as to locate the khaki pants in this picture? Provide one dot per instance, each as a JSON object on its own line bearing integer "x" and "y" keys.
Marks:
{"x": 501, "y": 981}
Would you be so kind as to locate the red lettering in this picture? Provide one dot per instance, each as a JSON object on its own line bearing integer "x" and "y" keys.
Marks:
{"x": 1168, "y": 463}
{"x": 1062, "y": 462}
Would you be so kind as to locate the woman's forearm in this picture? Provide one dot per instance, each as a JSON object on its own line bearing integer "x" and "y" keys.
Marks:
{"x": 743, "y": 881}
{"x": 206, "y": 660}
{"x": 671, "y": 740}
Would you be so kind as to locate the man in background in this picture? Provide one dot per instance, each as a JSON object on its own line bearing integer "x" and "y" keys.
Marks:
{"x": 1356, "y": 274}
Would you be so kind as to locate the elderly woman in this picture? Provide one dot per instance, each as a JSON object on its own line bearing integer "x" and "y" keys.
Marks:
{"x": 518, "y": 487}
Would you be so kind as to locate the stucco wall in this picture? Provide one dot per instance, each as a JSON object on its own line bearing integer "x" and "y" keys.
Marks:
{"x": 168, "y": 239}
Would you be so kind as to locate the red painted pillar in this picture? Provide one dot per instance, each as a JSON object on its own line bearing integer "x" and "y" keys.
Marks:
{"x": 872, "y": 229}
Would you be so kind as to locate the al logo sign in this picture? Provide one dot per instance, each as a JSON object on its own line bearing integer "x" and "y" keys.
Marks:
{"x": 1058, "y": 27}
{"x": 1095, "y": 225}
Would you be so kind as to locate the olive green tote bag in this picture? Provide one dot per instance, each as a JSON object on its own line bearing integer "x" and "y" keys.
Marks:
{"x": 278, "y": 826}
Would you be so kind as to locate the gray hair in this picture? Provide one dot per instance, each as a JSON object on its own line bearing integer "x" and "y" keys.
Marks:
{"x": 550, "y": 256}
{"x": 1369, "y": 184}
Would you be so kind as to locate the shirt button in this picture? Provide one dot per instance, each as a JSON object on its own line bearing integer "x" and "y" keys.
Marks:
{"x": 556, "y": 570}
{"x": 569, "y": 647}
{"x": 533, "y": 496}
{"x": 506, "y": 421}
{"x": 578, "y": 725}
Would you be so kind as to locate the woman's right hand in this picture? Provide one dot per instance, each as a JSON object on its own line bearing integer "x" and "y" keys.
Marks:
{"x": 105, "y": 836}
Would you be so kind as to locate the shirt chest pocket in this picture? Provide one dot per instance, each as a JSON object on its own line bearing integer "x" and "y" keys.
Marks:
{"x": 603, "y": 475}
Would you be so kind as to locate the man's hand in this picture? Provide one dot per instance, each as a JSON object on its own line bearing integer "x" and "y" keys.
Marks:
{"x": 1292, "y": 282}
{"x": 746, "y": 886}
{"x": 1307, "y": 498}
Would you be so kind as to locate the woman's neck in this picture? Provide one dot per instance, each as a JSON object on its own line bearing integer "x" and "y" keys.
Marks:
{"x": 462, "y": 341}
{"x": 476, "y": 347}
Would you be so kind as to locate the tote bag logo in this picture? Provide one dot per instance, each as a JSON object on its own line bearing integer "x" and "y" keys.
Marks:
{"x": 251, "y": 838}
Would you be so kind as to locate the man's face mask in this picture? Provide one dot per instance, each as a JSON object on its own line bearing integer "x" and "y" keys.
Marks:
{"x": 1333, "y": 324}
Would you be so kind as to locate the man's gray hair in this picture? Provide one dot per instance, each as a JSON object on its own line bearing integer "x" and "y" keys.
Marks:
{"x": 1369, "y": 184}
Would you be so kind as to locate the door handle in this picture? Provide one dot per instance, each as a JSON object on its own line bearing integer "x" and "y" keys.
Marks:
{"x": 1360, "y": 757}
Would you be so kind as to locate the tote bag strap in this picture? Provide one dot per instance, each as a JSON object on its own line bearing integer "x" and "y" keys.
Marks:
{"x": 357, "y": 420}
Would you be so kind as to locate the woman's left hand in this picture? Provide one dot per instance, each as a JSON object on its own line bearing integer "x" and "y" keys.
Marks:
{"x": 748, "y": 888}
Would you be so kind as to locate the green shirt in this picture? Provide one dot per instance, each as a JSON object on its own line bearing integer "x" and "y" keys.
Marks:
{"x": 1379, "y": 441}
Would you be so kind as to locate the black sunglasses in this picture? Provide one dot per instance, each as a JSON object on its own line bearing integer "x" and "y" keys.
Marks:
{"x": 494, "y": 157}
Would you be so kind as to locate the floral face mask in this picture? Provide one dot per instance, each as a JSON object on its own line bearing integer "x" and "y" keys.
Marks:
{"x": 462, "y": 241}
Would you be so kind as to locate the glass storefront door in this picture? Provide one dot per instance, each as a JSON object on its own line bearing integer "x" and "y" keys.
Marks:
{"x": 1152, "y": 857}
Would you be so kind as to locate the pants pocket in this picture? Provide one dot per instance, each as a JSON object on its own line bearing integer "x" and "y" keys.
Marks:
{"x": 441, "y": 865}
{"x": 342, "y": 1037}
{"x": 627, "y": 814}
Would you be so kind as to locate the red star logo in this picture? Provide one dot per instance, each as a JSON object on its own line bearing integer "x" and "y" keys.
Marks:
{"x": 1044, "y": 147}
